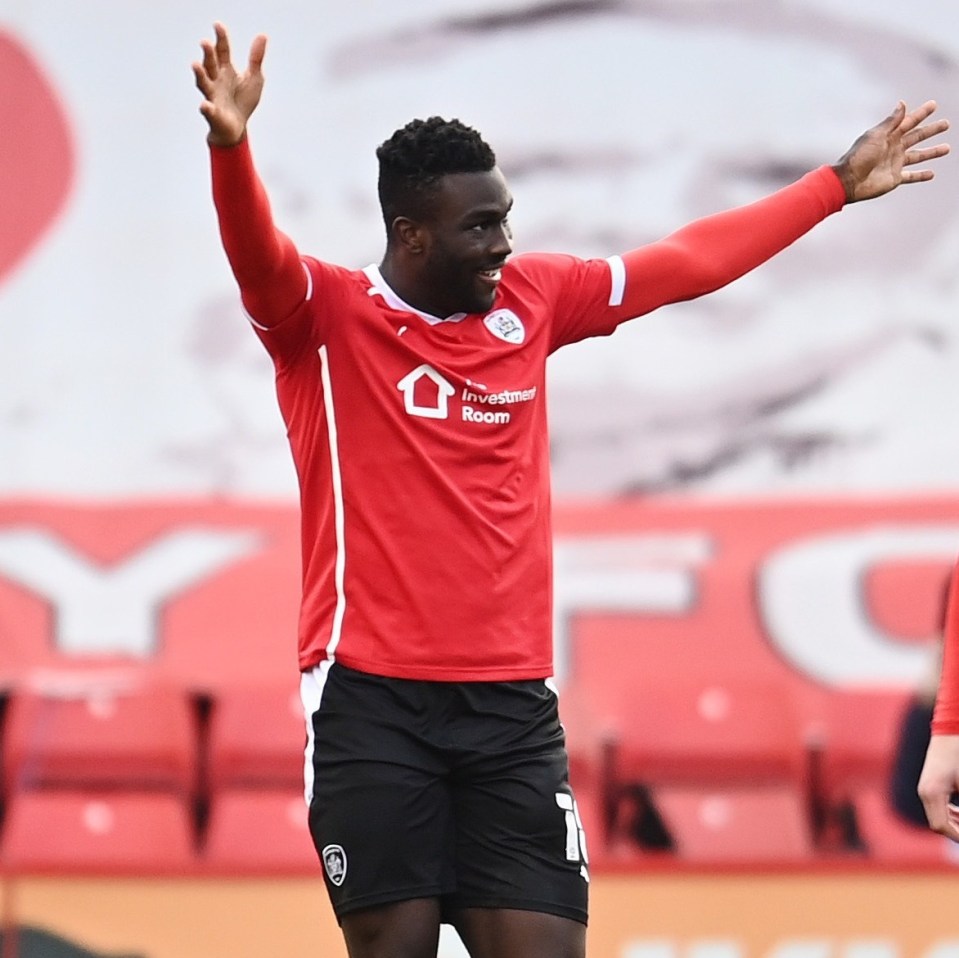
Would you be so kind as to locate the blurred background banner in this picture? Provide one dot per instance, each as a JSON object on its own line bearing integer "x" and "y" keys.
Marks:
{"x": 756, "y": 494}
{"x": 833, "y": 595}
{"x": 128, "y": 368}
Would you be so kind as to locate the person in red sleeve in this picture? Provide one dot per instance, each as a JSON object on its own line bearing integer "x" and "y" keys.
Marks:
{"x": 939, "y": 780}
{"x": 413, "y": 393}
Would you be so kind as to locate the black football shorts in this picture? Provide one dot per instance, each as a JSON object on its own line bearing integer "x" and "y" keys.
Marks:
{"x": 453, "y": 790}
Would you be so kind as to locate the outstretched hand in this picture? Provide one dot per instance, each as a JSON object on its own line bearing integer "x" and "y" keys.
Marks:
{"x": 877, "y": 162}
{"x": 229, "y": 98}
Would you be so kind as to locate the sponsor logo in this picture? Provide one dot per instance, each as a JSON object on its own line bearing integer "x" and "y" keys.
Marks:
{"x": 334, "y": 863}
{"x": 428, "y": 399}
{"x": 426, "y": 393}
{"x": 506, "y": 325}
{"x": 505, "y": 397}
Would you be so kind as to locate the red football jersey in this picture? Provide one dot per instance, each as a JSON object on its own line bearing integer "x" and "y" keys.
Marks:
{"x": 421, "y": 443}
{"x": 421, "y": 449}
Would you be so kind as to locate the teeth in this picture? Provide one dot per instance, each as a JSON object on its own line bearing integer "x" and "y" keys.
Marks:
{"x": 493, "y": 273}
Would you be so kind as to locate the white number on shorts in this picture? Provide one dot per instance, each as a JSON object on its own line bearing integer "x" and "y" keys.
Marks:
{"x": 575, "y": 835}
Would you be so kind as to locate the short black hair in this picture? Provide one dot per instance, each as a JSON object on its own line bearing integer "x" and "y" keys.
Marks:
{"x": 415, "y": 158}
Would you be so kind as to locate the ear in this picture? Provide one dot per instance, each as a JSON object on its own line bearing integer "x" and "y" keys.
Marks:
{"x": 409, "y": 235}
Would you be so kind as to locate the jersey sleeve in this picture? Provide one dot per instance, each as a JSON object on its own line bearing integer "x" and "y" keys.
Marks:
{"x": 945, "y": 719}
{"x": 272, "y": 280}
{"x": 697, "y": 259}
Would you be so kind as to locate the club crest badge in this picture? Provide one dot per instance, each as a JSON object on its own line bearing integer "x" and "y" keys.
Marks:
{"x": 506, "y": 325}
{"x": 334, "y": 862}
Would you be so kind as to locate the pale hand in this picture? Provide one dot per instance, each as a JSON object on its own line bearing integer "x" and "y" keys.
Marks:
{"x": 939, "y": 779}
{"x": 229, "y": 98}
{"x": 878, "y": 161}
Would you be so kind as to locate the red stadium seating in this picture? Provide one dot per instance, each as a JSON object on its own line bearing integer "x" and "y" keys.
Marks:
{"x": 89, "y": 736}
{"x": 259, "y": 831}
{"x": 857, "y": 740}
{"x": 256, "y": 737}
{"x": 737, "y": 824}
{"x": 66, "y": 831}
{"x": 714, "y": 754}
{"x": 890, "y": 839}
{"x": 707, "y": 732}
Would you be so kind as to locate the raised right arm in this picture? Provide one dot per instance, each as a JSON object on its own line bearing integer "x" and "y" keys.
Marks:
{"x": 272, "y": 279}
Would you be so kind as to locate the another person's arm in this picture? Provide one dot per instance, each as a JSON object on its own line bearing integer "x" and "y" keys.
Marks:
{"x": 940, "y": 773}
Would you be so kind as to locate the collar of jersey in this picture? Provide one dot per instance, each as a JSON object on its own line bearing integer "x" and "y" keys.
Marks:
{"x": 379, "y": 287}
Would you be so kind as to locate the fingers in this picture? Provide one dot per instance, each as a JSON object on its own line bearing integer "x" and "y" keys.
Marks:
{"x": 921, "y": 133}
{"x": 206, "y": 70}
{"x": 222, "y": 44}
{"x": 936, "y": 809}
{"x": 257, "y": 52}
{"x": 203, "y": 83}
{"x": 911, "y": 120}
{"x": 927, "y": 153}
{"x": 948, "y": 822}
{"x": 912, "y": 131}
{"x": 217, "y": 57}
{"x": 913, "y": 156}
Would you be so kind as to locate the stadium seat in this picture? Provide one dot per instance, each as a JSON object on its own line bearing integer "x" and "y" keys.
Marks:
{"x": 142, "y": 737}
{"x": 256, "y": 737}
{"x": 888, "y": 838}
{"x": 83, "y": 832}
{"x": 259, "y": 830}
{"x": 740, "y": 824}
{"x": 857, "y": 735}
{"x": 707, "y": 732}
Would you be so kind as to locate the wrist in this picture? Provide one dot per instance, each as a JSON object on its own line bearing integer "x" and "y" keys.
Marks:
{"x": 225, "y": 141}
{"x": 847, "y": 180}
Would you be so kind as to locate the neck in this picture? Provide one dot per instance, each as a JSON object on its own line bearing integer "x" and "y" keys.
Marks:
{"x": 408, "y": 288}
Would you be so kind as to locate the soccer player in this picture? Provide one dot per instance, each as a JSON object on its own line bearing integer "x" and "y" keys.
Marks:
{"x": 413, "y": 393}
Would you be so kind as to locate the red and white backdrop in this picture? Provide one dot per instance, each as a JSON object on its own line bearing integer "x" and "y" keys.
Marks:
{"x": 792, "y": 433}
{"x": 832, "y": 594}
{"x": 766, "y": 480}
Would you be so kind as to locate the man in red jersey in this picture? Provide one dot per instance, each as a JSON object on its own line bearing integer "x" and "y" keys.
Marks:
{"x": 414, "y": 398}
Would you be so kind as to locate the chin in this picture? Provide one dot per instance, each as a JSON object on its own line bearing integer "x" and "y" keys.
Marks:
{"x": 482, "y": 304}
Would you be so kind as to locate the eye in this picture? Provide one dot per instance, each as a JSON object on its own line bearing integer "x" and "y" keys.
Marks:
{"x": 485, "y": 225}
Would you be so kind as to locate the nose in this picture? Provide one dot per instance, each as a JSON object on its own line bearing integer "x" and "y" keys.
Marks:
{"x": 501, "y": 241}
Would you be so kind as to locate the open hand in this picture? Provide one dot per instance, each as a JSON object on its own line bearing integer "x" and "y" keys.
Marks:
{"x": 877, "y": 162}
{"x": 229, "y": 97}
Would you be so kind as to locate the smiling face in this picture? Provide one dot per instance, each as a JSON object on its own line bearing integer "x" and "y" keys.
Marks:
{"x": 465, "y": 240}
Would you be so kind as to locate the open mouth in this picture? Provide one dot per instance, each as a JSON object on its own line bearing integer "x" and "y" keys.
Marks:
{"x": 491, "y": 276}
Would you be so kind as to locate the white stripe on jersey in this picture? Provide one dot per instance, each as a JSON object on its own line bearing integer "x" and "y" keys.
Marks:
{"x": 309, "y": 282}
{"x": 311, "y": 694}
{"x": 617, "y": 271}
{"x": 337, "y": 480}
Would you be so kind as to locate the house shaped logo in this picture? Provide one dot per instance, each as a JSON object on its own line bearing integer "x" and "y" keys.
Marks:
{"x": 433, "y": 394}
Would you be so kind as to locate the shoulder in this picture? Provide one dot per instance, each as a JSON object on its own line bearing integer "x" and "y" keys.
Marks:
{"x": 331, "y": 274}
{"x": 561, "y": 272}
{"x": 541, "y": 264}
